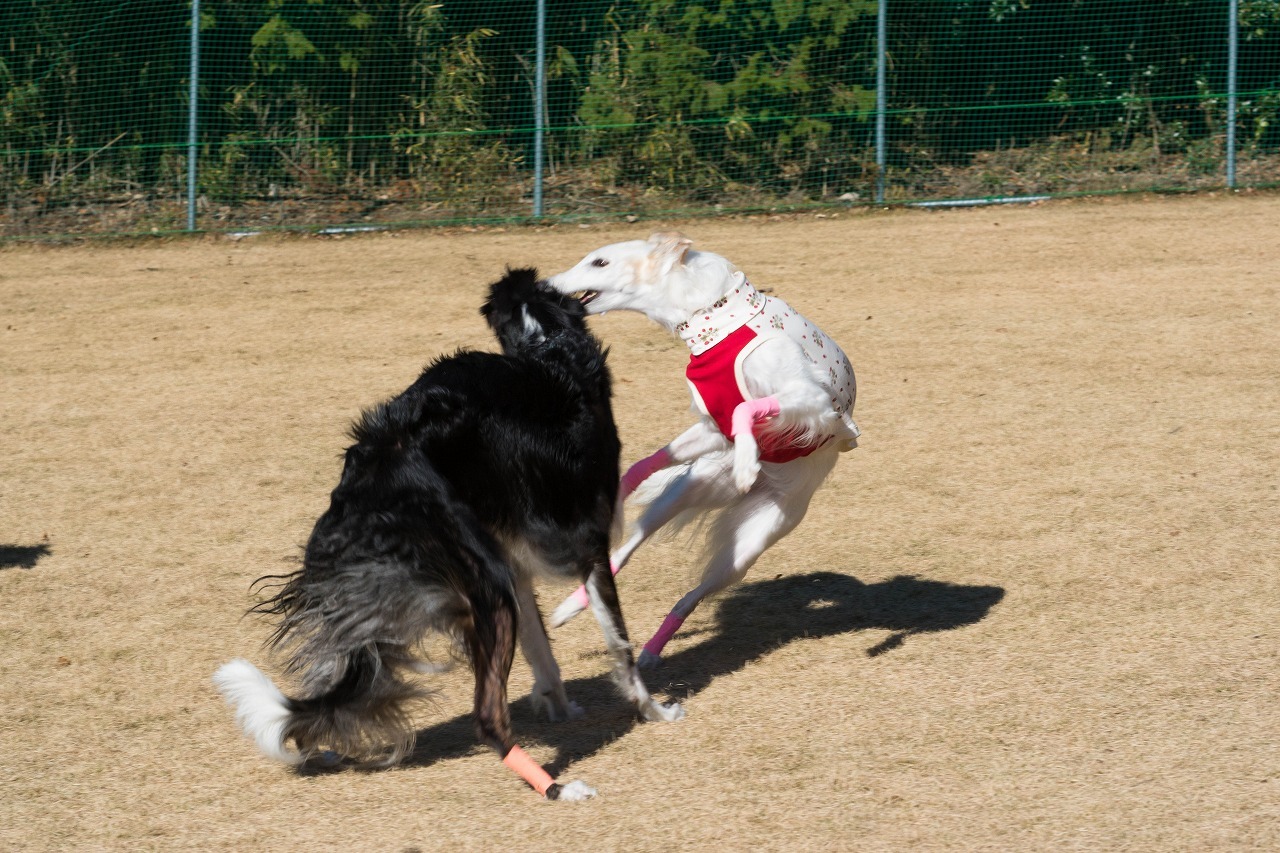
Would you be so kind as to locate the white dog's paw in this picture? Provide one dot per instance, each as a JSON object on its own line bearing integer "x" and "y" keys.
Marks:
{"x": 746, "y": 464}
{"x": 648, "y": 660}
{"x": 568, "y": 609}
{"x": 575, "y": 792}
{"x": 745, "y": 475}
{"x": 654, "y": 711}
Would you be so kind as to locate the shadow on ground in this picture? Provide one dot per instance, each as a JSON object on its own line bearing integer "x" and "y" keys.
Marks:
{"x": 751, "y": 622}
{"x": 22, "y": 556}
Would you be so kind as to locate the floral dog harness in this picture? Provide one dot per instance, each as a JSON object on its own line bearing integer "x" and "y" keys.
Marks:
{"x": 721, "y": 336}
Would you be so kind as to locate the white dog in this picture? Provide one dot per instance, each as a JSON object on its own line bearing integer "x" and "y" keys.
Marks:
{"x": 774, "y": 392}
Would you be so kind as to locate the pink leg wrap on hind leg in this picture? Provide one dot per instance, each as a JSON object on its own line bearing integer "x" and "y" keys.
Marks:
{"x": 636, "y": 474}
{"x": 659, "y": 640}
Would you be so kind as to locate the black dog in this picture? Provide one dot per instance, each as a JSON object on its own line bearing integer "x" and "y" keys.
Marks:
{"x": 488, "y": 469}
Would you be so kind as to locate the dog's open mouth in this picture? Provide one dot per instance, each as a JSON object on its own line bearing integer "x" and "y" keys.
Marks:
{"x": 586, "y": 296}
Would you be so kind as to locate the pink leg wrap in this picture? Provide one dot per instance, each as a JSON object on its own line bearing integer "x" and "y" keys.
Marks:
{"x": 518, "y": 760}
{"x": 659, "y": 640}
{"x": 751, "y": 412}
{"x": 580, "y": 594}
{"x": 643, "y": 470}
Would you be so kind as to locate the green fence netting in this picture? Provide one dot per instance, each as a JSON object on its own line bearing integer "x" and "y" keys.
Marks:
{"x": 314, "y": 113}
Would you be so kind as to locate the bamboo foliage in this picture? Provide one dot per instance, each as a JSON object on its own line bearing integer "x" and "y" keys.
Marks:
{"x": 699, "y": 101}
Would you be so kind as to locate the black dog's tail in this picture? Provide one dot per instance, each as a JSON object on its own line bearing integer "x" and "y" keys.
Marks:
{"x": 393, "y": 559}
{"x": 351, "y": 639}
{"x": 364, "y": 715}
{"x": 262, "y": 710}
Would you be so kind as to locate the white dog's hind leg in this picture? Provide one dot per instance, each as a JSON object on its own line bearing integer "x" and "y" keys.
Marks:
{"x": 766, "y": 526}
{"x": 695, "y": 442}
{"x": 677, "y": 497}
{"x": 704, "y": 486}
{"x": 738, "y": 538}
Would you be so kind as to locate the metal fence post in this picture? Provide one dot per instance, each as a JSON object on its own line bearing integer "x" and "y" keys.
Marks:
{"x": 1233, "y": 42}
{"x": 191, "y": 115}
{"x": 881, "y": 53}
{"x": 539, "y": 105}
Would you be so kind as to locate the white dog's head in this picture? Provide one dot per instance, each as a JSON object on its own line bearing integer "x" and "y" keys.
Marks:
{"x": 662, "y": 277}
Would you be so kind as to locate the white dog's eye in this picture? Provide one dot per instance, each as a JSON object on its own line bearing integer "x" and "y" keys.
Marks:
{"x": 600, "y": 262}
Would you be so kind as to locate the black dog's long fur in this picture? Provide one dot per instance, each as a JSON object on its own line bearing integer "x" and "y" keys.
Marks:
{"x": 485, "y": 459}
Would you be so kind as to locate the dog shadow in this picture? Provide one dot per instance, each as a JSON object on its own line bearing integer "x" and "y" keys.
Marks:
{"x": 22, "y": 556}
{"x": 751, "y": 621}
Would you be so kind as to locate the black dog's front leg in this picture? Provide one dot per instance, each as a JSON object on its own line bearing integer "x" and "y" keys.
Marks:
{"x": 603, "y": 594}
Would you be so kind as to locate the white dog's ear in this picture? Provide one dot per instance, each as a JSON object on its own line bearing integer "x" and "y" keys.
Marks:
{"x": 669, "y": 248}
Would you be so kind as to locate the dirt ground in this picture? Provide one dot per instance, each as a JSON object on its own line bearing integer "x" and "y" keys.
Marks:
{"x": 1037, "y": 609}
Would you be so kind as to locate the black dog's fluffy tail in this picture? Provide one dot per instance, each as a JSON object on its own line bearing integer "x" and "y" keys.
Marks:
{"x": 351, "y": 635}
{"x": 364, "y": 716}
{"x": 393, "y": 559}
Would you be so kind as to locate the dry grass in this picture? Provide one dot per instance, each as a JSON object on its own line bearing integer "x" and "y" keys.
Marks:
{"x": 1036, "y": 610}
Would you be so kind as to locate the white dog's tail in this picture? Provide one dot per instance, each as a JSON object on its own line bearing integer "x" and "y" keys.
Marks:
{"x": 261, "y": 709}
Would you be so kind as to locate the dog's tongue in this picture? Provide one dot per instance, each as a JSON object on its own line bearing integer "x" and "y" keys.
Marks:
{"x": 587, "y": 296}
